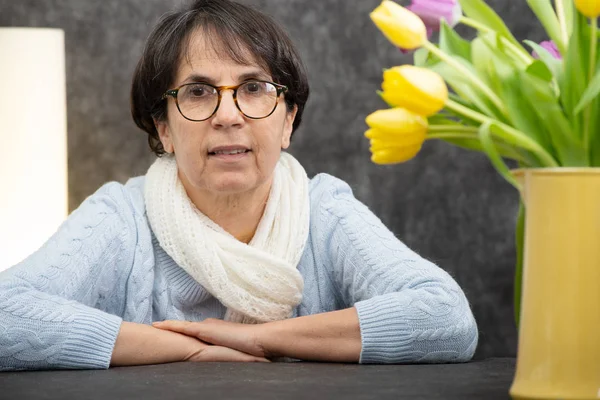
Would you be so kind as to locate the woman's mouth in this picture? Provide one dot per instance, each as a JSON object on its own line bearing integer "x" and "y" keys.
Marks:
{"x": 234, "y": 154}
{"x": 228, "y": 152}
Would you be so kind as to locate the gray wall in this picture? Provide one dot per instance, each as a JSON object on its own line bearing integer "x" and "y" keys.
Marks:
{"x": 447, "y": 204}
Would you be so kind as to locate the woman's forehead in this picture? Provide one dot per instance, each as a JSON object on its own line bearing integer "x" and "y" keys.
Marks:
{"x": 205, "y": 54}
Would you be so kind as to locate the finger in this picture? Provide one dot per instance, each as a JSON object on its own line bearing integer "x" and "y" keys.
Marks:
{"x": 211, "y": 331}
{"x": 219, "y": 353}
{"x": 185, "y": 327}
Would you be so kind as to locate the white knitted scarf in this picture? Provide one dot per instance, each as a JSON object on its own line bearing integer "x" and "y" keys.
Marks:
{"x": 257, "y": 282}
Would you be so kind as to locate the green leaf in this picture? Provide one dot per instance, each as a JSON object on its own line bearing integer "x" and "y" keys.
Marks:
{"x": 485, "y": 136}
{"x": 595, "y": 134}
{"x": 452, "y": 43}
{"x": 520, "y": 247}
{"x": 590, "y": 93}
{"x": 500, "y": 71}
{"x": 464, "y": 87}
{"x": 474, "y": 144}
{"x": 481, "y": 62}
{"x": 553, "y": 64}
{"x": 522, "y": 112}
{"x": 576, "y": 64}
{"x": 539, "y": 69}
{"x": 441, "y": 119}
{"x": 423, "y": 58}
{"x": 568, "y": 148}
{"x": 455, "y": 133}
{"x": 481, "y": 12}
{"x": 499, "y": 44}
{"x": 546, "y": 15}
{"x": 569, "y": 9}
{"x": 464, "y": 120}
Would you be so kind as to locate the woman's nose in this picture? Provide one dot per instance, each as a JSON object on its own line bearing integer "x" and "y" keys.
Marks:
{"x": 227, "y": 114}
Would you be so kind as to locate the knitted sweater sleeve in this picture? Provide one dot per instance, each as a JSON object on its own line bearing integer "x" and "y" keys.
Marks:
{"x": 409, "y": 309}
{"x": 57, "y": 306}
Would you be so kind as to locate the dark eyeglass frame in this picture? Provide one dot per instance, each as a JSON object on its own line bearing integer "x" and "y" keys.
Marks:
{"x": 173, "y": 93}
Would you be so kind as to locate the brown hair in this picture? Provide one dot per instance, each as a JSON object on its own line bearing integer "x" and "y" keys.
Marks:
{"x": 235, "y": 30}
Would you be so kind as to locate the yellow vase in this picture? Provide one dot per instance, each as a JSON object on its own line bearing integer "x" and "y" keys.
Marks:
{"x": 559, "y": 334}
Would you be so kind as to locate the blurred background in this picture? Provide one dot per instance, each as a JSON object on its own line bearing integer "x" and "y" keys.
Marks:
{"x": 447, "y": 204}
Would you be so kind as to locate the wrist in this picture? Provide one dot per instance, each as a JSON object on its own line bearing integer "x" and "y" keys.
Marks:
{"x": 181, "y": 347}
{"x": 190, "y": 347}
{"x": 140, "y": 344}
{"x": 266, "y": 339}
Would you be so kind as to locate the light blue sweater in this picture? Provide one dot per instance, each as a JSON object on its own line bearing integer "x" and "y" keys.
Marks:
{"x": 62, "y": 306}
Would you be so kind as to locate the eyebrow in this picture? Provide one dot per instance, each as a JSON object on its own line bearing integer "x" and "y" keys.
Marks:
{"x": 243, "y": 77}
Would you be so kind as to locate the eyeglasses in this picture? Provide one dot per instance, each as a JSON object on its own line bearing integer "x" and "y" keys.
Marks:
{"x": 200, "y": 101}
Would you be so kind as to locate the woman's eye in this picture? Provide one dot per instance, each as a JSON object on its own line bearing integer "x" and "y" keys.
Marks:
{"x": 198, "y": 91}
{"x": 253, "y": 87}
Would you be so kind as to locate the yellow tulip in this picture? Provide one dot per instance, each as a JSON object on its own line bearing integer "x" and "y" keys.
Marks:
{"x": 589, "y": 8}
{"x": 394, "y": 155}
{"x": 396, "y": 135}
{"x": 396, "y": 121}
{"x": 402, "y": 27}
{"x": 419, "y": 90}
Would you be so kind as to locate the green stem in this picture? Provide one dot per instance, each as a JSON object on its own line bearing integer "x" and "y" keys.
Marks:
{"x": 471, "y": 133}
{"x": 510, "y": 134}
{"x": 588, "y": 112}
{"x": 491, "y": 150}
{"x": 519, "y": 245}
{"x": 518, "y": 52}
{"x": 467, "y": 73}
{"x": 450, "y": 135}
{"x": 560, "y": 13}
{"x": 451, "y": 128}
{"x": 593, "y": 48}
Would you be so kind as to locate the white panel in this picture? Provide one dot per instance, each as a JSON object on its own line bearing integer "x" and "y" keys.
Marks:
{"x": 33, "y": 139}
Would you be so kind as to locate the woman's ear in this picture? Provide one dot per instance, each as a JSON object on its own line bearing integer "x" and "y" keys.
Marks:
{"x": 288, "y": 127}
{"x": 164, "y": 133}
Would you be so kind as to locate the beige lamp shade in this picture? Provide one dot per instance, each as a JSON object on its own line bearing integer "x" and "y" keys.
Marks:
{"x": 33, "y": 137}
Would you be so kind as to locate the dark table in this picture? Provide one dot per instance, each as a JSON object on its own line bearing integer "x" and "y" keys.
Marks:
{"x": 482, "y": 380}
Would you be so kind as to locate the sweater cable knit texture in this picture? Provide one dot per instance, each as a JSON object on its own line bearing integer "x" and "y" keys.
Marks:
{"x": 62, "y": 306}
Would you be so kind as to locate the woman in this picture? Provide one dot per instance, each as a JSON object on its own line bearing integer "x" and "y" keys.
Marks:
{"x": 226, "y": 240}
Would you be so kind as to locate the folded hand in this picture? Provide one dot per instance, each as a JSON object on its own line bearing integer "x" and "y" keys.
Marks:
{"x": 211, "y": 353}
{"x": 234, "y": 336}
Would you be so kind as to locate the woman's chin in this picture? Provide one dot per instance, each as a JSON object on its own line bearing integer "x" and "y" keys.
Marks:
{"x": 233, "y": 184}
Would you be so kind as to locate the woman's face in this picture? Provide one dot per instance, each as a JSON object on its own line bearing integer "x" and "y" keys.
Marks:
{"x": 198, "y": 145}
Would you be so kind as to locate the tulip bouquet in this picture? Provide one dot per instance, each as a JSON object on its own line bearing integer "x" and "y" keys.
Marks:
{"x": 535, "y": 104}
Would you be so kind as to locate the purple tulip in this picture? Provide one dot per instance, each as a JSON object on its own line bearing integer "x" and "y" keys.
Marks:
{"x": 432, "y": 12}
{"x": 552, "y": 49}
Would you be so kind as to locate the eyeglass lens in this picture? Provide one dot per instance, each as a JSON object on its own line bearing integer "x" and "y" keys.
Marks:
{"x": 198, "y": 101}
